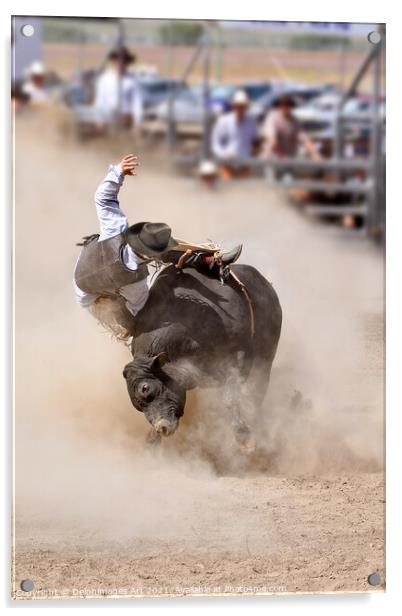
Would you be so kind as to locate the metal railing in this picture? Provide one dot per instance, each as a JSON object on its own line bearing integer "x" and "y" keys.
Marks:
{"x": 372, "y": 187}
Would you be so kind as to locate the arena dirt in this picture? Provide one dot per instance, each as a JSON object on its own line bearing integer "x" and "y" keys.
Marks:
{"x": 96, "y": 512}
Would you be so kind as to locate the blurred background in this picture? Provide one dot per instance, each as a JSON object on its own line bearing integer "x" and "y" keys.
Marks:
{"x": 298, "y": 105}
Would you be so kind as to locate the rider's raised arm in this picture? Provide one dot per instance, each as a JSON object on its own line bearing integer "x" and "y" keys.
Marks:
{"x": 112, "y": 219}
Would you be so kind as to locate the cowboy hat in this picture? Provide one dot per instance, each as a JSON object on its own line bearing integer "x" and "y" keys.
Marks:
{"x": 284, "y": 99}
{"x": 240, "y": 97}
{"x": 207, "y": 167}
{"x": 150, "y": 238}
{"x": 123, "y": 54}
{"x": 36, "y": 69}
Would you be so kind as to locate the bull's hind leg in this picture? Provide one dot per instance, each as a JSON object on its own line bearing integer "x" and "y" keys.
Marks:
{"x": 245, "y": 401}
{"x": 255, "y": 391}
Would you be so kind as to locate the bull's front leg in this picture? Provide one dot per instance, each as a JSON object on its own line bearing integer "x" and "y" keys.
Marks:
{"x": 234, "y": 406}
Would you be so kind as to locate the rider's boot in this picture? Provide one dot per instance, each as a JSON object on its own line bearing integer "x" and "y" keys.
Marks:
{"x": 206, "y": 262}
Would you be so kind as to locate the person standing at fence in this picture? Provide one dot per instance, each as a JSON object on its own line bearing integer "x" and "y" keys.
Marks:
{"x": 34, "y": 87}
{"x": 283, "y": 134}
{"x": 233, "y": 138}
{"x": 117, "y": 92}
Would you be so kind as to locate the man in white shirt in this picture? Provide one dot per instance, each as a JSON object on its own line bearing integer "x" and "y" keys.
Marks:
{"x": 233, "y": 137}
{"x": 111, "y": 276}
{"x": 34, "y": 87}
{"x": 117, "y": 91}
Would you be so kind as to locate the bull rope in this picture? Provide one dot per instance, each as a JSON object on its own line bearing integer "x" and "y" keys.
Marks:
{"x": 248, "y": 299}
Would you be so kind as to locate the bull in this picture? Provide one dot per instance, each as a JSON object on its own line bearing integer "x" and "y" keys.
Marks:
{"x": 196, "y": 332}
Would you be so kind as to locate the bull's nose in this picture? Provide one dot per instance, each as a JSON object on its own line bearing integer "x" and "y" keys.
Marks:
{"x": 163, "y": 426}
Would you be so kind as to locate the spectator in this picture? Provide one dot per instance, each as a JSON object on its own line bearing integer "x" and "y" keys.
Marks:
{"x": 34, "y": 87}
{"x": 282, "y": 132}
{"x": 19, "y": 99}
{"x": 208, "y": 173}
{"x": 117, "y": 92}
{"x": 233, "y": 137}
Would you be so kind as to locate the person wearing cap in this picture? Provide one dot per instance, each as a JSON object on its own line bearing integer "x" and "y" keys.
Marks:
{"x": 233, "y": 138}
{"x": 112, "y": 267}
{"x": 283, "y": 134}
{"x": 117, "y": 91}
{"x": 34, "y": 87}
{"x": 208, "y": 173}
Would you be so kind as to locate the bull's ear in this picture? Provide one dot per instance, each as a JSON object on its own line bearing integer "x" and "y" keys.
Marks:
{"x": 126, "y": 370}
{"x": 159, "y": 360}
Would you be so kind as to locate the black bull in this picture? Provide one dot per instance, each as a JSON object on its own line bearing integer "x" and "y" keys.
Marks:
{"x": 196, "y": 332}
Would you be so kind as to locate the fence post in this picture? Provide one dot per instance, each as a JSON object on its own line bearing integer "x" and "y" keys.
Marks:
{"x": 206, "y": 91}
{"x": 375, "y": 145}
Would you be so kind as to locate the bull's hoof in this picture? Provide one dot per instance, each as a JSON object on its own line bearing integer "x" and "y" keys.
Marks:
{"x": 244, "y": 439}
{"x": 248, "y": 446}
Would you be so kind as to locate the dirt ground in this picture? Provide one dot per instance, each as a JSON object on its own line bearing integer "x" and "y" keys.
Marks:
{"x": 96, "y": 512}
{"x": 319, "y": 534}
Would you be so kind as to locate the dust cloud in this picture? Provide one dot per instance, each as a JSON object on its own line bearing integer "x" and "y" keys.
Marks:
{"x": 81, "y": 460}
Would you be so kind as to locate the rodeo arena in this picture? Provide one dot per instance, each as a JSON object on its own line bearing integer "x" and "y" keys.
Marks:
{"x": 259, "y": 144}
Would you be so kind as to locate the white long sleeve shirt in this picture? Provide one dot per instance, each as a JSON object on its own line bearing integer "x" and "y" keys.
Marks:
{"x": 107, "y": 96}
{"x": 113, "y": 221}
{"x": 231, "y": 138}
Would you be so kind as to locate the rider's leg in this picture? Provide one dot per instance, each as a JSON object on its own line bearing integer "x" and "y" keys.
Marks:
{"x": 204, "y": 261}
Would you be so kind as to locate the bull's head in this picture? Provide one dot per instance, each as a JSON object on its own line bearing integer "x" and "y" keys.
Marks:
{"x": 156, "y": 394}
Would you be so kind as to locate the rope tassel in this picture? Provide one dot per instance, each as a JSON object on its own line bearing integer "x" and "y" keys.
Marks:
{"x": 249, "y": 302}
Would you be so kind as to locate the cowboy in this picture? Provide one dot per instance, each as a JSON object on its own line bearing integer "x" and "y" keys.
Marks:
{"x": 34, "y": 88}
{"x": 112, "y": 270}
{"x": 208, "y": 173}
{"x": 233, "y": 138}
{"x": 283, "y": 134}
{"x": 117, "y": 90}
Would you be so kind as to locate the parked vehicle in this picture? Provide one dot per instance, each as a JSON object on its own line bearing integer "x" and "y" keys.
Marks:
{"x": 156, "y": 90}
{"x": 299, "y": 92}
{"x": 320, "y": 114}
{"x": 221, "y": 95}
{"x": 188, "y": 107}
{"x": 81, "y": 89}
